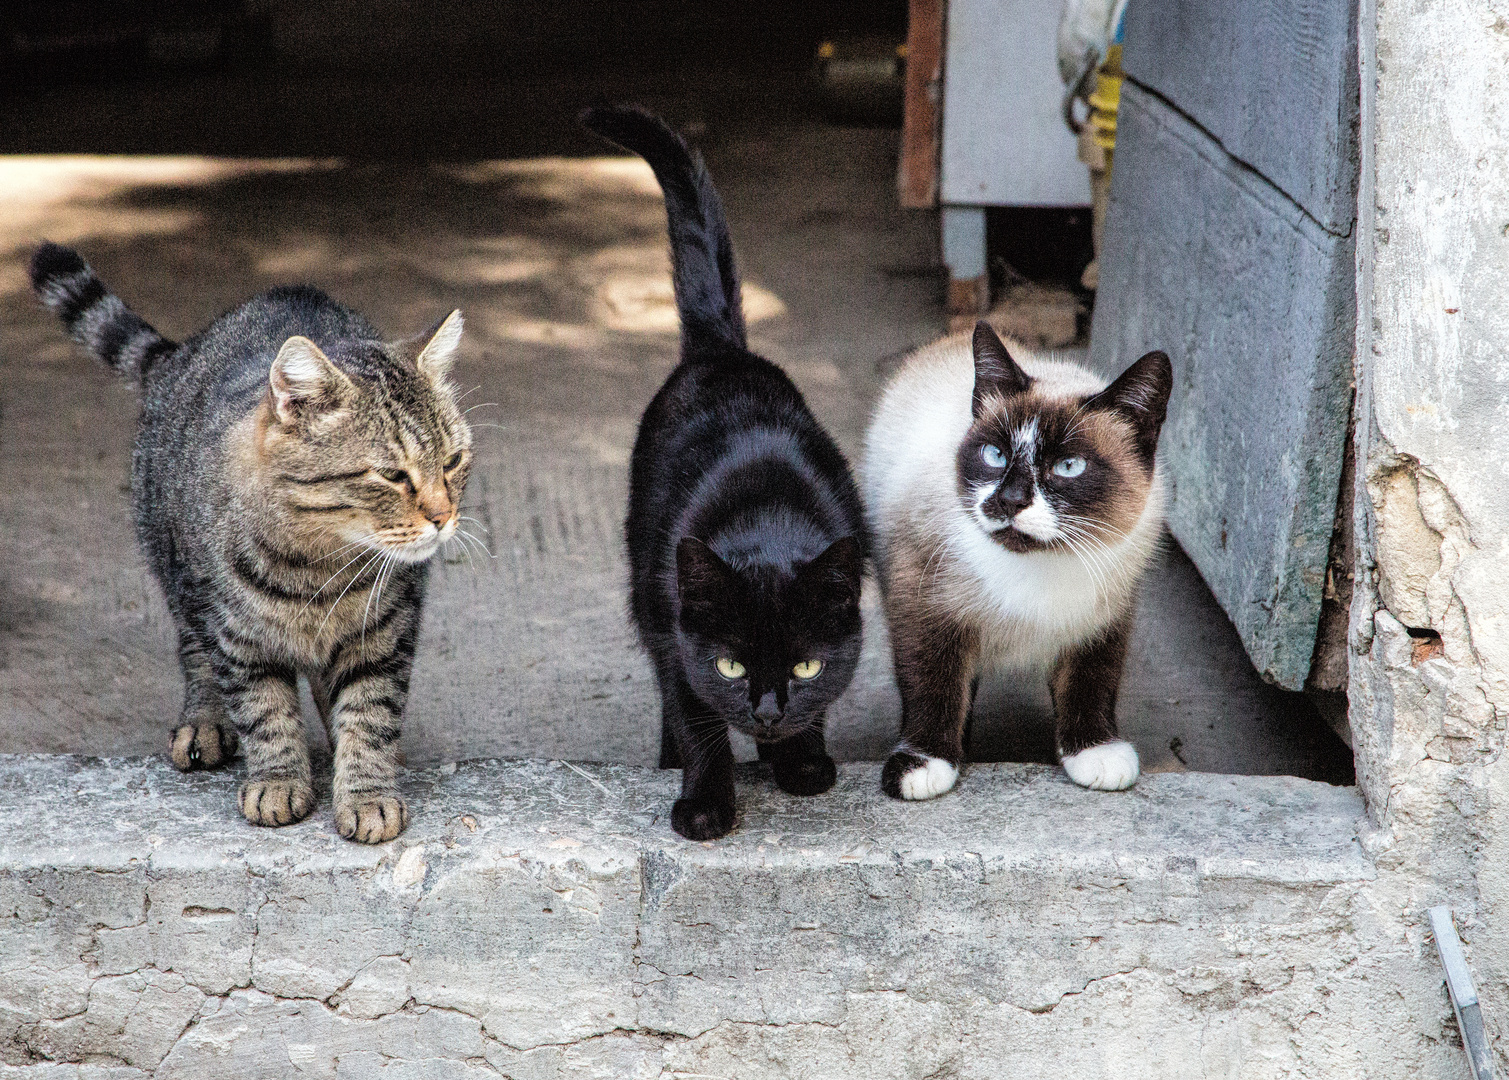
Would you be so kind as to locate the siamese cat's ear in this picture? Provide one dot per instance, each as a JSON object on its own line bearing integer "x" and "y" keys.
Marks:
{"x": 437, "y": 349}
{"x": 996, "y": 373}
{"x": 1140, "y": 396}
{"x": 835, "y": 577}
{"x": 304, "y": 382}
{"x": 705, "y": 583}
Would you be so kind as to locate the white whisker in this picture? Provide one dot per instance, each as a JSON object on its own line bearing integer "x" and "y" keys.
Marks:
{"x": 331, "y": 578}
{"x": 354, "y": 579}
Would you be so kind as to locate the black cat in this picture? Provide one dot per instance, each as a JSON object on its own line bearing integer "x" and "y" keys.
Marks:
{"x": 746, "y": 536}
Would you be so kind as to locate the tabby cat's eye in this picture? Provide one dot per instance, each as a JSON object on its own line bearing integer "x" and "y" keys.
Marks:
{"x": 452, "y": 461}
{"x": 1069, "y": 467}
{"x": 394, "y": 476}
{"x": 993, "y": 456}
{"x": 729, "y": 668}
{"x": 807, "y": 669}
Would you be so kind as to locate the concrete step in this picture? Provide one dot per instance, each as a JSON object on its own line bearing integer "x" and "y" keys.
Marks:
{"x": 540, "y": 919}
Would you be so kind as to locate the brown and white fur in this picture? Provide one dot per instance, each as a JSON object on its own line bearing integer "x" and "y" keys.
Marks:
{"x": 1016, "y": 502}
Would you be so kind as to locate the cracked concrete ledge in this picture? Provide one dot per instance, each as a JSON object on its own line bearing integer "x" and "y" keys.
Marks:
{"x": 541, "y": 920}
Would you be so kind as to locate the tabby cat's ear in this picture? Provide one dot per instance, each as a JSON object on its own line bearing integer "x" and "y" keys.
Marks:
{"x": 834, "y": 578}
{"x": 435, "y": 358}
{"x": 304, "y": 381}
{"x": 706, "y": 584}
{"x": 996, "y": 373}
{"x": 1140, "y": 396}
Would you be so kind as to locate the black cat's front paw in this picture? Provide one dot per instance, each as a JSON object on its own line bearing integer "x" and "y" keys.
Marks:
{"x": 805, "y": 776}
{"x": 702, "y": 819}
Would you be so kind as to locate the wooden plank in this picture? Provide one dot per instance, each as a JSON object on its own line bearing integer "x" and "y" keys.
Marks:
{"x": 1275, "y": 84}
{"x": 1253, "y": 300}
{"x": 917, "y": 177}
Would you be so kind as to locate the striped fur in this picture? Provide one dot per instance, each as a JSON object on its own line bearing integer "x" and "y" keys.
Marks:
{"x": 291, "y": 477}
{"x": 97, "y": 320}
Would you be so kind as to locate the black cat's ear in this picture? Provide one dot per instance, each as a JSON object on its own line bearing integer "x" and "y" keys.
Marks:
{"x": 835, "y": 577}
{"x": 705, "y": 583}
{"x": 1140, "y": 396}
{"x": 996, "y": 373}
{"x": 304, "y": 382}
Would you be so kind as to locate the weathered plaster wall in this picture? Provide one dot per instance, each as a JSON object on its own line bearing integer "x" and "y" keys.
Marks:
{"x": 1430, "y": 615}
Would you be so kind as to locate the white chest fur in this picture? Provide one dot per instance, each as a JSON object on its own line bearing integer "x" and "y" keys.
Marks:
{"x": 1029, "y": 607}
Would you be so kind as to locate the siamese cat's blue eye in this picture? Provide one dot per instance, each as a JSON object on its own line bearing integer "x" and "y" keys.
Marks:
{"x": 993, "y": 456}
{"x": 729, "y": 668}
{"x": 1069, "y": 467}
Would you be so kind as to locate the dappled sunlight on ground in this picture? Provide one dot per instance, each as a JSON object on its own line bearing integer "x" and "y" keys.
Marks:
{"x": 618, "y": 287}
{"x": 561, "y": 179}
{"x": 68, "y": 198}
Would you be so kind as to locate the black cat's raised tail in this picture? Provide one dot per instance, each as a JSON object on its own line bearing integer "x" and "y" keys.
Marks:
{"x": 702, "y": 256}
{"x": 95, "y": 317}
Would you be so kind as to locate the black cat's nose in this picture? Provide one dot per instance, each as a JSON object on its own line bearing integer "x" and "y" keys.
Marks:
{"x": 768, "y": 711}
{"x": 1014, "y": 495}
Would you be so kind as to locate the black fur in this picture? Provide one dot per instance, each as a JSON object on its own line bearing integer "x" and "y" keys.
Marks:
{"x": 745, "y": 532}
{"x": 996, "y": 373}
{"x": 702, "y": 255}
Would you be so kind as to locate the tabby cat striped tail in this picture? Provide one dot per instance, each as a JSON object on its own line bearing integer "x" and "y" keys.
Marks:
{"x": 97, "y": 318}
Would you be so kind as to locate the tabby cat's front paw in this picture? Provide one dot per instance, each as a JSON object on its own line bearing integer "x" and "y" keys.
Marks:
{"x": 805, "y": 776}
{"x": 702, "y": 819}
{"x": 371, "y": 820}
{"x": 275, "y": 802}
{"x": 1111, "y": 766}
{"x": 913, "y": 776}
{"x": 201, "y": 746}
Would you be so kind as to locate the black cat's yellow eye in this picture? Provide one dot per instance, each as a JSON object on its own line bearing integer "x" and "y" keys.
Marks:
{"x": 729, "y": 668}
{"x": 393, "y": 476}
{"x": 807, "y": 669}
{"x": 452, "y": 461}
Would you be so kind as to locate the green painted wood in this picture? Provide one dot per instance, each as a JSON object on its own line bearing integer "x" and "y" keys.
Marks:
{"x": 1252, "y": 297}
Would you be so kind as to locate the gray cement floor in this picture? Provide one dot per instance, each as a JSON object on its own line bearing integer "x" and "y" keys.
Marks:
{"x": 559, "y": 263}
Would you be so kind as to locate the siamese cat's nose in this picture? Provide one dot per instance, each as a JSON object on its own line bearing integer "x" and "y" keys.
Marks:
{"x": 768, "y": 711}
{"x": 1014, "y": 496}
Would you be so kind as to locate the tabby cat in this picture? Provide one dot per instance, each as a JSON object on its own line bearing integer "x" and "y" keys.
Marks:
{"x": 291, "y": 478}
{"x": 1017, "y": 502}
{"x": 746, "y": 537}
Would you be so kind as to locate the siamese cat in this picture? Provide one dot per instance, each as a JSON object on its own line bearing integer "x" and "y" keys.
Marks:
{"x": 1016, "y": 502}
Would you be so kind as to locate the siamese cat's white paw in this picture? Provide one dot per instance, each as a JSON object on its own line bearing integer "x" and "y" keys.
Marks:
{"x": 1110, "y": 766}
{"x": 930, "y": 780}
